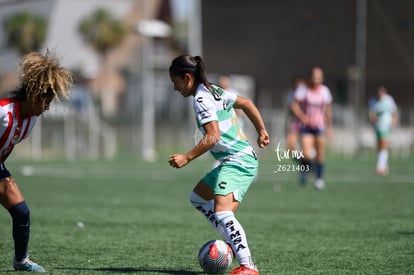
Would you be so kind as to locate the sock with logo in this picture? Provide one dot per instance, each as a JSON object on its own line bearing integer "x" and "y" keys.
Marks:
{"x": 207, "y": 209}
{"x": 237, "y": 237}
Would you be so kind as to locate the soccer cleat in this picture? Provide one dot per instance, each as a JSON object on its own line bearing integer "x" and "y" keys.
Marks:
{"x": 382, "y": 171}
{"x": 28, "y": 265}
{"x": 244, "y": 270}
{"x": 319, "y": 184}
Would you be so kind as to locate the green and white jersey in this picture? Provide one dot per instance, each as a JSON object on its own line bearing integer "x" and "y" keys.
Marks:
{"x": 217, "y": 105}
{"x": 384, "y": 109}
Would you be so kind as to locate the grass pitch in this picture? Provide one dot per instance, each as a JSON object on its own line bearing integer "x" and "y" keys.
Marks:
{"x": 132, "y": 217}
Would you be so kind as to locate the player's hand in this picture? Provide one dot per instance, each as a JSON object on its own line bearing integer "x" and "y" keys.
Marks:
{"x": 263, "y": 140}
{"x": 178, "y": 160}
{"x": 306, "y": 121}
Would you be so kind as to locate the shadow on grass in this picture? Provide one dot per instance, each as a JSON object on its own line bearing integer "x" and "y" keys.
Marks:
{"x": 406, "y": 233}
{"x": 130, "y": 270}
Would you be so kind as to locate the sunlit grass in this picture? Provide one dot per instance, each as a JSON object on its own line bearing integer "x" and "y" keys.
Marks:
{"x": 132, "y": 217}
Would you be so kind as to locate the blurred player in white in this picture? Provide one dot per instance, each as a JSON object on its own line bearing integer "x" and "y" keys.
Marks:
{"x": 383, "y": 114}
{"x": 312, "y": 105}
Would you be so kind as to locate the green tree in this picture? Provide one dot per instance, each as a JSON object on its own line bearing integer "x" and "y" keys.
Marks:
{"x": 25, "y": 32}
{"x": 101, "y": 31}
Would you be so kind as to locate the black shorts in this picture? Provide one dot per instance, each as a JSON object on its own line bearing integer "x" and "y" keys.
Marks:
{"x": 4, "y": 173}
{"x": 313, "y": 131}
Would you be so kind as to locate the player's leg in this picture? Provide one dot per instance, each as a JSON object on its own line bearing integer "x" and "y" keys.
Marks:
{"x": 382, "y": 158}
{"x": 307, "y": 142}
{"x": 320, "y": 142}
{"x": 10, "y": 194}
{"x": 12, "y": 199}
{"x": 232, "y": 184}
{"x": 202, "y": 198}
{"x": 292, "y": 138}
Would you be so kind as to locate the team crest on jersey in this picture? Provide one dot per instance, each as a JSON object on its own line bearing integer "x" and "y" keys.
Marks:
{"x": 16, "y": 135}
{"x": 216, "y": 92}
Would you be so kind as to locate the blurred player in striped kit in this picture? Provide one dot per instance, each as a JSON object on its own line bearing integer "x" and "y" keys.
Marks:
{"x": 383, "y": 114}
{"x": 312, "y": 105}
{"x": 219, "y": 193}
{"x": 42, "y": 80}
{"x": 293, "y": 124}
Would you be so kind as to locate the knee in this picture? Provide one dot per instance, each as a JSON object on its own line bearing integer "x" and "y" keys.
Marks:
{"x": 191, "y": 196}
{"x": 195, "y": 199}
{"x": 20, "y": 213}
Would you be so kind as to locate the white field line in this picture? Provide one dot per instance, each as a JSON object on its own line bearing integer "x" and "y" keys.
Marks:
{"x": 344, "y": 177}
{"x": 94, "y": 173}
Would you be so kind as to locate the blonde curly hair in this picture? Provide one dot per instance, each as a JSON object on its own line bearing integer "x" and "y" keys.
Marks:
{"x": 42, "y": 76}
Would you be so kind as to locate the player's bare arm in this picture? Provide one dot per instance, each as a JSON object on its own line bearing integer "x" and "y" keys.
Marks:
{"x": 295, "y": 107}
{"x": 372, "y": 117}
{"x": 394, "y": 119}
{"x": 211, "y": 137}
{"x": 255, "y": 117}
{"x": 328, "y": 115}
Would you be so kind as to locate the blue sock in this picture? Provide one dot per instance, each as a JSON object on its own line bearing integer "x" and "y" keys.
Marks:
{"x": 20, "y": 214}
{"x": 307, "y": 168}
{"x": 319, "y": 169}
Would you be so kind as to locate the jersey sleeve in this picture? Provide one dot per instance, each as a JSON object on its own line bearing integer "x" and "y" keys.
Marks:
{"x": 3, "y": 121}
{"x": 204, "y": 109}
{"x": 394, "y": 108}
{"x": 327, "y": 96}
{"x": 230, "y": 99}
{"x": 300, "y": 93}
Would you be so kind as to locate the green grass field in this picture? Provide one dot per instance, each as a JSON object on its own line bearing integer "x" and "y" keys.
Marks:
{"x": 131, "y": 217}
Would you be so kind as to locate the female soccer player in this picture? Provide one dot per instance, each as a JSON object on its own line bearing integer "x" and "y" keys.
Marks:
{"x": 42, "y": 79}
{"x": 312, "y": 105}
{"x": 383, "y": 115}
{"x": 293, "y": 123}
{"x": 219, "y": 193}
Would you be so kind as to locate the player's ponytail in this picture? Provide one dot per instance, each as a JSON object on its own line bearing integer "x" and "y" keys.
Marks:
{"x": 201, "y": 71}
{"x": 188, "y": 64}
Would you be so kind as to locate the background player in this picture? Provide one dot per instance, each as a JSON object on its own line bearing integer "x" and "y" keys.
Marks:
{"x": 383, "y": 114}
{"x": 293, "y": 123}
{"x": 312, "y": 105}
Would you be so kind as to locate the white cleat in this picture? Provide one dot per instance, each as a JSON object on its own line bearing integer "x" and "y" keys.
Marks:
{"x": 319, "y": 184}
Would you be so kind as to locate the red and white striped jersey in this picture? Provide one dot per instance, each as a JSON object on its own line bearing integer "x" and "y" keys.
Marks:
{"x": 314, "y": 102}
{"x": 13, "y": 127}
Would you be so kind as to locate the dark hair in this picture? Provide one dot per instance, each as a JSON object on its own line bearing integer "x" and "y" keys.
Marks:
{"x": 188, "y": 64}
{"x": 297, "y": 77}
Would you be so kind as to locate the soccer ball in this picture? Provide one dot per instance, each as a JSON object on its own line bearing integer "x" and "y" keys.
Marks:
{"x": 215, "y": 256}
